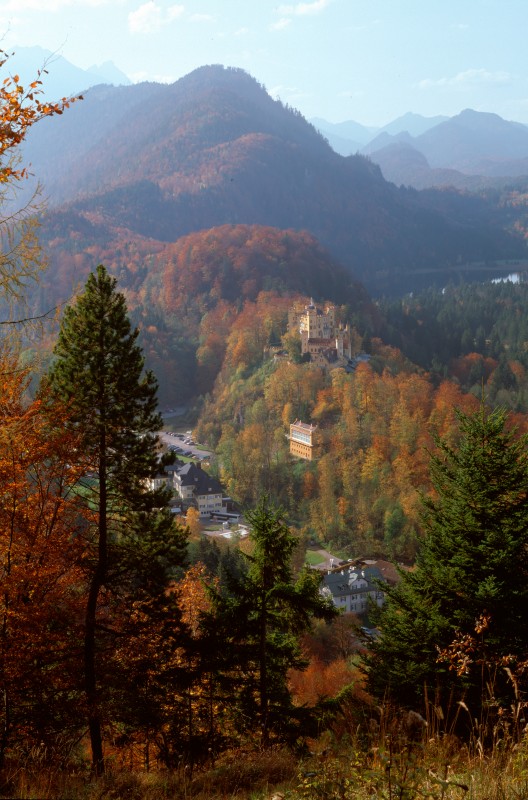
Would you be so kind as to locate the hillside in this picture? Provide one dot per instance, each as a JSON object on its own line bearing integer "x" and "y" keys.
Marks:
{"x": 212, "y": 149}
{"x": 188, "y": 295}
{"x": 402, "y": 163}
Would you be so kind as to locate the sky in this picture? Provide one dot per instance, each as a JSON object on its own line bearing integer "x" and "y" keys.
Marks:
{"x": 365, "y": 60}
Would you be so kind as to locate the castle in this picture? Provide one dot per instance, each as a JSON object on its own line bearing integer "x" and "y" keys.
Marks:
{"x": 327, "y": 343}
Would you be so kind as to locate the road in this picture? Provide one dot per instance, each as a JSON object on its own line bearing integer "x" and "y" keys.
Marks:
{"x": 176, "y": 439}
{"x": 328, "y": 560}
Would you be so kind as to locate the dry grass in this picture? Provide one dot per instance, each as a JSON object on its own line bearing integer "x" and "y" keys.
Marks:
{"x": 242, "y": 776}
{"x": 398, "y": 758}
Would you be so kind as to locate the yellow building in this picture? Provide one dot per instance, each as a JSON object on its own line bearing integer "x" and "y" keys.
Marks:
{"x": 302, "y": 440}
{"x": 317, "y": 323}
{"x": 326, "y": 342}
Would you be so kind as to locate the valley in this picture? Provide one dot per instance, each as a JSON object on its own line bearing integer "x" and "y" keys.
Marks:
{"x": 337, "y": 360}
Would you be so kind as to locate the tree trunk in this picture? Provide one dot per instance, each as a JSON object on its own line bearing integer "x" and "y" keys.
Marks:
{"x": 98, "y": 579}
{"x": 94, "y": 720}
{"x": 263, "y": 677}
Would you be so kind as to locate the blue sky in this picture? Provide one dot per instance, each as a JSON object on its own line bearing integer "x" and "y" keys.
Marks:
{"x": 366, "y": 60}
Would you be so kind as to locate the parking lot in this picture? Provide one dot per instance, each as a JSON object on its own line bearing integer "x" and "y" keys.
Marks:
{"x": 182, "y": 444}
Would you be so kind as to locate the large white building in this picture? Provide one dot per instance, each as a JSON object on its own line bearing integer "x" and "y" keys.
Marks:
{"x": 193, "y": 485}
{"x": 354, "y": 587}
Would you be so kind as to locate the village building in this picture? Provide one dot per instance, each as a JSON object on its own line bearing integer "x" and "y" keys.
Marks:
{"x": 193, "y": 486}
{"x": 302, "y": 440}
{"x": 354, "y": 587}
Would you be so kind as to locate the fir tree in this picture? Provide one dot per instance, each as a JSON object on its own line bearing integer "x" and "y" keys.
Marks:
{"x": 98, "y": 373}
{"x": 261, "y": 618}
{"x": 472, "y": 564}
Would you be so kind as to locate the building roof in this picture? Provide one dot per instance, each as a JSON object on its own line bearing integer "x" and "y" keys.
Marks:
{"x": 305, "y": 425}
{"x": 340, "y": 581}
{"x": 193, "y": 475}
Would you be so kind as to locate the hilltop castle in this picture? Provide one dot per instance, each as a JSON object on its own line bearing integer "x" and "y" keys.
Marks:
{"x": 327, "y": 343}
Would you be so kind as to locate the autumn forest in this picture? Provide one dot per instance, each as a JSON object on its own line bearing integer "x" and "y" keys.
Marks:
{"x": 161, "y": 276}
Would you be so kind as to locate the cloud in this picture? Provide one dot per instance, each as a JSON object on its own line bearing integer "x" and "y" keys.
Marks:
{"x": 282, "y": 23}
{"x": 173, "y": 12}
{"x": 150, "y": 17}
{"x": 241, "y": 32}
{"x": 303, "y": 9}
{"x": 164, "y": 78}
{"x": 139, "y": 77}
{"x": 201, "y": 18}
{"x": 469, "y": 79}
{"x": 287, "y": 93}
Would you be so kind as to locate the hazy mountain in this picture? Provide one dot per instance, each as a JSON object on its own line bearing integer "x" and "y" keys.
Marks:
{"x": 109, "y": 73}
{"x": 413, "y": 124}
{"x": 475, "y": 142}
{"x": 60, "y": 77}
{"x": 403, "y": 164}
{"x": 345, "y": 138}
{"x": 385, "y": 139}
{"x": 349, "y": 137}
{"x": 471, "y": 151}
{"x": 159, "y": 162}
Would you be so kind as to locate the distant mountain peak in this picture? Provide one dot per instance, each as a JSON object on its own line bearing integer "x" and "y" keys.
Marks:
{"x": 413, "y": 124}
{"x": 109, "y": 73}
{"x": 61, "y": 78}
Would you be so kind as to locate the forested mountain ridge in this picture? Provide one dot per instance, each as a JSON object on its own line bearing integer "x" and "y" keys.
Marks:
{"x": 187, "y": 295}
{"x": 214, "y": 149}
{"x": 475, "y": 334}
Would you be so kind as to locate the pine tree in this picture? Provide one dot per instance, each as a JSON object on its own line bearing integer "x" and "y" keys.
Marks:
{"x": 98, "y": 373}
{"x": 472, "y": 564}
{"x": 262, "y": 617}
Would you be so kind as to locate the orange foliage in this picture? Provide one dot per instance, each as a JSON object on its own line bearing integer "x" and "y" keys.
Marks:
{"x": 462, "y": 366}
{"x": 19, "y": 109}
{"x": 192, "y": 521}
{"x": 319, "y": 681}
{"x": 193, "y": 598}
{"x": 41, "y": 544}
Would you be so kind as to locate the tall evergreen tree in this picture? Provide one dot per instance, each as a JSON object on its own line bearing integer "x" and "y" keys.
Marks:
{"x": 472, "y": 563}
{"x": 99, "y": 373}
{"x": 262, "y": 617}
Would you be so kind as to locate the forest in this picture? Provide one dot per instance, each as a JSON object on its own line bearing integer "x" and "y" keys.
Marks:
{"x": 139, "y": 658}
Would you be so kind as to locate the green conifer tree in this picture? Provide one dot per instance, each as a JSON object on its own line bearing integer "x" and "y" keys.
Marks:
{"x": 262, "y": 617}
{"x": 99, "y": 373}
{"x": 472, "y": 563}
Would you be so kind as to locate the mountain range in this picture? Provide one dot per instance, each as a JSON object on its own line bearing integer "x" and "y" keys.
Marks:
{"x": 157, "y": 162}
{"x": 61, "y": 78}
{"x": 350, "y": 137}
{"x": 471, "y": 150}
